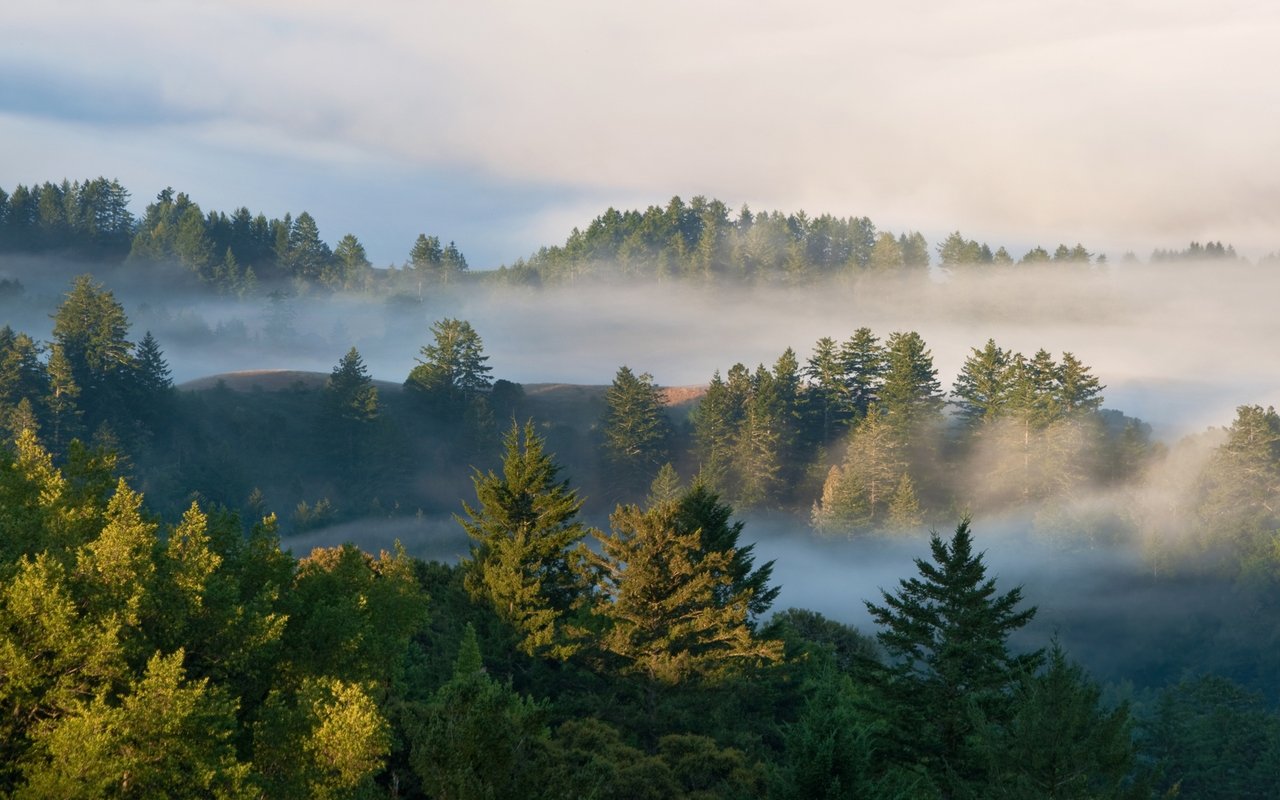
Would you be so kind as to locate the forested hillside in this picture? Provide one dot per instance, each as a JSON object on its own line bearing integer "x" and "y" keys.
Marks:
{"x": 616, "y": 625}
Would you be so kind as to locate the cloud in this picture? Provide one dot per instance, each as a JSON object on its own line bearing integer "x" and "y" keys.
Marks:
{"x": 1125, "y": 125}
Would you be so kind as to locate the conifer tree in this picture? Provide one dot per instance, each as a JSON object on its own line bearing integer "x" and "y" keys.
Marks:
{"x": 90, "y": 331}
{"x": 660, "y": 595}
{"x": 760, "y": 440}
{"x": 1077, "y": 390}
{"x": 523, "y": 532}
{"x": 946, "y": 633}
{"x": 451, "y": 375}
{"x": 828, "y": 393}
{"x": 699, "y": 509}
{"x": 911, "y": 394}
{"x": 985, "y": 384}
{"x": 864, "y": 361}
{"x": 715, "y": 427}
{"x": 1060, "y": 741}
{"x": 635, "y": 429}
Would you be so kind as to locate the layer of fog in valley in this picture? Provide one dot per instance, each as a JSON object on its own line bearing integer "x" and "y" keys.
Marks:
{"x": 1177, "y": 345}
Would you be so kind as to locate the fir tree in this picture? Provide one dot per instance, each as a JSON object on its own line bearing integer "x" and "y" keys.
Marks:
{"x": 523, "y": 532}
{"x": 946, "y": 633}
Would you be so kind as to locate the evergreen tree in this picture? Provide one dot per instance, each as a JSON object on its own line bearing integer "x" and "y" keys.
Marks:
{"x": 1077, "y": 390}
{"x": 859, "y": 494}
{"x": 477, "y": 739}
{"x": 830, "y": 405}
{"x": 523, "y": 532}
{"x": 911, "y": 394}
{"x": 715, "y": 428}
{"x": 90, "y": 331}
{"x": 22, "y": 376}
{"x": 306, "y": 255}
{"x": 760, "y": 442}
{"x": 903, "y": 512}
{"x": 350, "y": 410}
{"x": 985, "y": 384}
{"x": 351, "y": 262}
{"x": 426, "y": 258}
{"x": 663, "y": 599}
{"x": 865, "y": 362}
{"x": 635, "y": 429}
{"x": 451, "y": 373}
{"x": 946, "y": 633}
{"x": 700, "y": 510}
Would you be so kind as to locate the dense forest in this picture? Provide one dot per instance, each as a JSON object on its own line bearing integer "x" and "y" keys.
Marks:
{"x": 611, "y": 630}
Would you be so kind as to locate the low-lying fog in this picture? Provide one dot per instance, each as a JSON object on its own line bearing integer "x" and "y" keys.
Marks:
{"x": 1178, "y": 345}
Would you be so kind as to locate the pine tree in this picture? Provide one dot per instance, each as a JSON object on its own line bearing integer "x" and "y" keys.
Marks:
{"x": 523, "y": 532}
{"x": 1077, "y": 391}
{"x": 351, "y": 409}
{"x": 862, "y": 492}
{"x": 90, "y": 329}
{"x": 903, "y": 513}
{"x": 306, "y": 256}
{"x": 946, "y": 633}
{"x": 828, "y": 394}
{"x": 715, "y": 427}
{"x": 760, "y": 440}
{"x": 352, "y": 263}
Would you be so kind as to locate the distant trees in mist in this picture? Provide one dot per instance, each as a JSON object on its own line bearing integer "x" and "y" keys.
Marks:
{"x": 242, "y": 253}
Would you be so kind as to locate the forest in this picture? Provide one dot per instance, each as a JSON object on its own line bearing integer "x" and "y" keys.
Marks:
{"x": 582, "y": 595}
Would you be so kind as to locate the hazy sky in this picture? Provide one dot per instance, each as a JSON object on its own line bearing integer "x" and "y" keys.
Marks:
{"x": 1122, "y": 124}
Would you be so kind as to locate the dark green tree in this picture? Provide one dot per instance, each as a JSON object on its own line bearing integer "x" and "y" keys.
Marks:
{"x": 1078, "y": 391}
{"x": 700, "y": 510}
{"x": 667, "y": 606}
{"x": 864, "y": 361}
{"x": 350, "y": 411}
{"x": 451, "y": 373}
{"x": 715, "y": 428}
{"x": 946, "y": 634}
{"x": 306, "y": 256}
{"x": 635, "y": 429}
{"x": 985, "y": 384}
{"x": 90, "y": 330}
{"x": 911, "y": 395}
{"x": 477, "y": 739}
{"x": 1060, "y": 741}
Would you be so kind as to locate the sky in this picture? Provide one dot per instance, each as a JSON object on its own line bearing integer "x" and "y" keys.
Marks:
{"x": 1124, "y": 124}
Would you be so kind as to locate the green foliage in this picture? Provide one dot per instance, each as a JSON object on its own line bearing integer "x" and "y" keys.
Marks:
{"x": 668, "y": 604}
{"x": 1060, "y": 742}
{"x": 1213, "y": 739}
{"x": 523, "y": 533}
{"x": 946, "y": 635}
{"x": 451, "y": 374}
{"x": 478, "y": 739}
{"x": 635, "y": 429}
